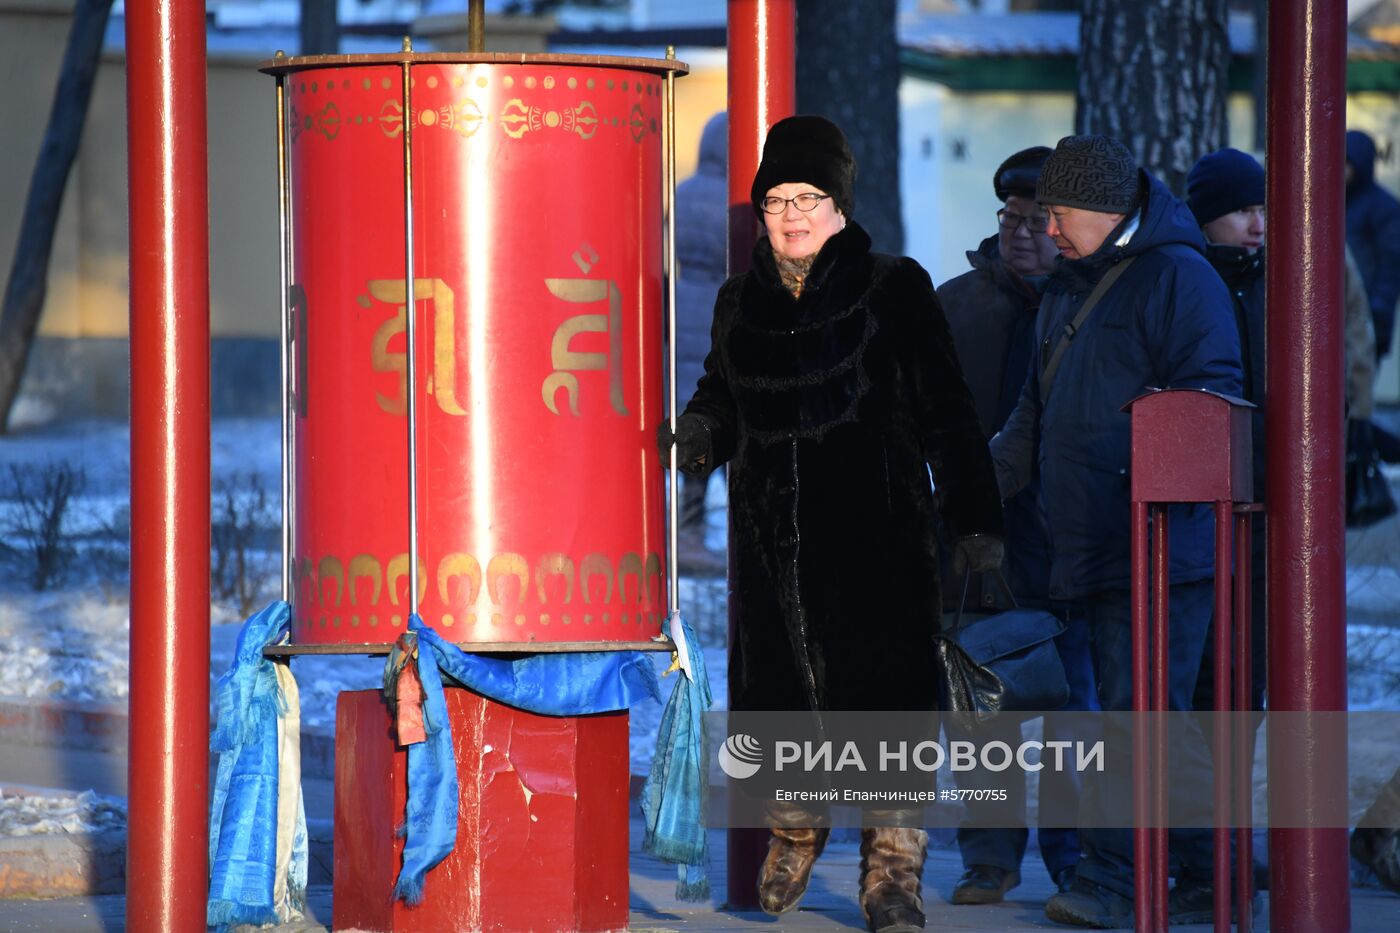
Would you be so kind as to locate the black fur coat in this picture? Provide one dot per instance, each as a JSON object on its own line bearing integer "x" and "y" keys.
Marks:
{"x": 830, "y": 409}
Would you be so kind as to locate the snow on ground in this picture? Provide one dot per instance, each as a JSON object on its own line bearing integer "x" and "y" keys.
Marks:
{"x": 88, "y": 812}
{"x": 69, "y": 644}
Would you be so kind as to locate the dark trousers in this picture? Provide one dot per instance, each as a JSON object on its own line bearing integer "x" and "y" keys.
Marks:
{"x": 1004, "y": 846}
{"x": 1107, "y": 854}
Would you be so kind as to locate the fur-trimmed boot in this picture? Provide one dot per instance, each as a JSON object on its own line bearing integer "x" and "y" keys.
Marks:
{"x": 792, "y": 851}
{"x": 891, "y": 873}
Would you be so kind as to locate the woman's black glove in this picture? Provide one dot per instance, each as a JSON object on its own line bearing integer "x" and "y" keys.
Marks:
{"x": 692, "y": 442}
{"x": 978, "y": 554}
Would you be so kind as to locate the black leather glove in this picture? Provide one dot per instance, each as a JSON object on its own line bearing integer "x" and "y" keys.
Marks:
{"x": 978, "y": 554}
{"x": 692, "y": 442}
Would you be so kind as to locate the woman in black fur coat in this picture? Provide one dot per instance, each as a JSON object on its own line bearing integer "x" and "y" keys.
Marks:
{"x": 831, "y": 388}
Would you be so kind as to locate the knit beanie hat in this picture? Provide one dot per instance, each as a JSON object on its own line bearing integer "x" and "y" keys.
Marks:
{"x": 1094, "y": 173}
{"x": 1019, "y": 173}
{"x": 807, "y": 149}
{"x": 1224, "y": 181}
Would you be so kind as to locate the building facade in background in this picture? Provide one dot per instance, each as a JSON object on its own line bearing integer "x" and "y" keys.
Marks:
{"x": 974, "y": 88}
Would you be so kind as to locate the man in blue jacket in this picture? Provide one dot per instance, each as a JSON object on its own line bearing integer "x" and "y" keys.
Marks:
{"x": 1373, "y": 234}
{"x": 1162, "y": 318}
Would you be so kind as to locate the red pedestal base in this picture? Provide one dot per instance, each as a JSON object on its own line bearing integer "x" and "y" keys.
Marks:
{"x": 541, "y": 822}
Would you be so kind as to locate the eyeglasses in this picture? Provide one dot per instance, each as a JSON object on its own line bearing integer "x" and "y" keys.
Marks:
{"x": 1035, "y": 224}
{"x": 805, "y": 202}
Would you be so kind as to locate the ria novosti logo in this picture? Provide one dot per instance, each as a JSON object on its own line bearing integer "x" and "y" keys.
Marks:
{"x": 740, "y": 756}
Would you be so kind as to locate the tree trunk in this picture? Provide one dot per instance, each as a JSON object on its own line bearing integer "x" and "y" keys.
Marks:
{"x": 1155, "y": 74}
{"x": 848, "y": 71}
{"x": 28, "y": 281}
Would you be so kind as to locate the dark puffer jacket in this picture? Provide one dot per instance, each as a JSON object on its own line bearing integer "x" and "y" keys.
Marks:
{"x": 1373, "y": 233}
{"x": 1243, "y": 274}
{"x": 830, "y": 409}
{"x": 1166, "y": 323}
{"x": 991, "y": 313}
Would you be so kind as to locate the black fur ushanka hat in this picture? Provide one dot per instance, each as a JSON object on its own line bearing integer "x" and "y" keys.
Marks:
{"x": 807, "y": 149}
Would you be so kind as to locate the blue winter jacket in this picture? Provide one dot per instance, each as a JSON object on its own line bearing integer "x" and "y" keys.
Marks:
{"x": 1373, "y": 233}
{"x": 1167, "y": 323}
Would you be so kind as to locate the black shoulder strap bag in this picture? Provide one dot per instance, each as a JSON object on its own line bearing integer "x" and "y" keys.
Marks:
{"x": 1001, "y": 663}
{"x": 1047, "y": 373}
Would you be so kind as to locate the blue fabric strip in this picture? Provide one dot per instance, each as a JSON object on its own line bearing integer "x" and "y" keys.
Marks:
{"x": 574, "y": 684}
{"x": 243, "y": 819}
{"x": 430, "y": 823}
{"x": 676, "y": 792}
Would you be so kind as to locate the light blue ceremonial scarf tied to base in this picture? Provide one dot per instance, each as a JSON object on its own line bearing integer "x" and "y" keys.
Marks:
{"x": 573, "y": 684}
{"x": 243, "y": 824}
{"x": 675, "y": 795}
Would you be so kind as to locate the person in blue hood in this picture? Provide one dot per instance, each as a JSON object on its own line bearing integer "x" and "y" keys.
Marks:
{"x": 1373, "y": 234}
{"x": 1161, "y": 318}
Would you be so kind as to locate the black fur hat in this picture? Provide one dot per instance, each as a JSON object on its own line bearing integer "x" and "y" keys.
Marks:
{"x": 807, "y": 149}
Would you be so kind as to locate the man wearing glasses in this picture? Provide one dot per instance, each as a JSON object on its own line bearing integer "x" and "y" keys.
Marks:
{"x": 991, "y": 311}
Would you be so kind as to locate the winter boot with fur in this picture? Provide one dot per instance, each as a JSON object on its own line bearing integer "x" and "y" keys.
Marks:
{"x": 891, "y": 872}
{"x": 792, "y": 851}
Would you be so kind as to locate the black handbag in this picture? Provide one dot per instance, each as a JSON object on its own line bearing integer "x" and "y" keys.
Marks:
{"x": 1001, "y": 663}
{"x": 1368, "y": 491}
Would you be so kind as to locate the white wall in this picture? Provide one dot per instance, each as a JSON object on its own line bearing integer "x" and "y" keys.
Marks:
{"x": 950, "y": 144}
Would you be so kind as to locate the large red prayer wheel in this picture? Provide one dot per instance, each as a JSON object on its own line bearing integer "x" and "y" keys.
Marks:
{"x": 537, "y": 294}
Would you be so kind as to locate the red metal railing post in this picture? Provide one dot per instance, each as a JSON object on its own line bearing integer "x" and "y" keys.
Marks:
{"x": 1215, "y": 469}
{"x": 1142, "y": 774}
{"x": 1243, "y": 721}
{"x": 1309, "y": 888}
{"x": 762, "y": 75}
{"x": 1161, "y": 662}
{"x": 167, "y": 877}
{"x": 1224, "y": 524}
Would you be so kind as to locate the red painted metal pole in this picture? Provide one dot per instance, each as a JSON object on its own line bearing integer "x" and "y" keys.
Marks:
{"x": 1309, "y": 888}
{"x": 1142, "y": 774}
{"x": 167, "y": 876}
{"x": 762, "y": 90}
{"x": 1161, "y": 661}
{"x": 1224, "y": 524}
{"x": 762, "y": 75}
{"x": 1243, "y": 721}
